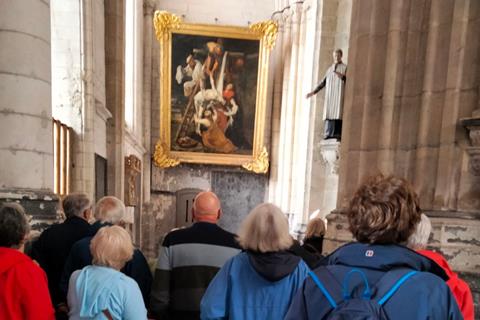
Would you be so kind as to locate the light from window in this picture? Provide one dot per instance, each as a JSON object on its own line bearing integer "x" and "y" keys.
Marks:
{"x": 61, "y": 157}
{"x": 129, "y": 63}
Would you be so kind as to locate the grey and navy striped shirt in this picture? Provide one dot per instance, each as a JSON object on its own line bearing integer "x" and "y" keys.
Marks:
{"x": 188, "y": 260}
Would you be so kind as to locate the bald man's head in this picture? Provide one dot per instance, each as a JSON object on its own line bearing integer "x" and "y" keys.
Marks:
{"x": 206, "y": 207}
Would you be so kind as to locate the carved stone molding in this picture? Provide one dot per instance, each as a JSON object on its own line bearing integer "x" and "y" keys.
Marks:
{"x": 148, "y": 7}
{"x": 330, "y": 152}
{"x": 473, "y": 127}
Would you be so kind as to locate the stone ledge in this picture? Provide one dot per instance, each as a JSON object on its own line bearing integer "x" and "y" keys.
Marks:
{"x": 40, "y": 204}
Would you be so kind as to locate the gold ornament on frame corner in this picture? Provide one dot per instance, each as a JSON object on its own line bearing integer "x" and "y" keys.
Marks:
{"x": 259, "y": 164}
{"x": 161, "y": 157}
{"x": 164, "y": 22}
{"x": 268, "y": 29}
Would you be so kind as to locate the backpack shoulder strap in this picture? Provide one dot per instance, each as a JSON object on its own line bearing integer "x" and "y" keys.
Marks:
{"x": 390, "y": 282}
{"x": 324, "y": 279}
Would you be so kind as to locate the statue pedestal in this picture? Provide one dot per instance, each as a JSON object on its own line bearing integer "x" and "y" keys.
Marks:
{"x": 330, "y": 152}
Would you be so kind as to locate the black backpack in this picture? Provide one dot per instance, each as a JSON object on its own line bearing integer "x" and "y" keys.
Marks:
{"x": 344, "y": 306}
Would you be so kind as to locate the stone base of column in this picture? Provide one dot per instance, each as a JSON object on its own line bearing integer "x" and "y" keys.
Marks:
{"x": 41, "y": 205}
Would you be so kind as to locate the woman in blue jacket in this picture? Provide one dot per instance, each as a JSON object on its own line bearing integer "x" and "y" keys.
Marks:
{"x": 260, "y": 282}
{"x": 378, "y": 273}
{"x": 101, "y": 291}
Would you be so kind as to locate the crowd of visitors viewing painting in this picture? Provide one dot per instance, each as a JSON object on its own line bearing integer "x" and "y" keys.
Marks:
{"x": 79, "y": 270}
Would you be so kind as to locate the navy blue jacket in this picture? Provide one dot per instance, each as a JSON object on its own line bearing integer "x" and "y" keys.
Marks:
{"x": 80, "y": 257}
{"x": 424, "y": 296}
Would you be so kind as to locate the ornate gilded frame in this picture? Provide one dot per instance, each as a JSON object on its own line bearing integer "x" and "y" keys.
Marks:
{"x": 165, "y": 24}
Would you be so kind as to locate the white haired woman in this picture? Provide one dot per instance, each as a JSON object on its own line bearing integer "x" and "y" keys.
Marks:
{"x": 461, "y": 291}
{"x": 101, "y": 290}
{"x": 260, "y": 282}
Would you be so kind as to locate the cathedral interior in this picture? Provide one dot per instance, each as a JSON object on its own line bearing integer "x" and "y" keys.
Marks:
{"x": 109, "y": 94}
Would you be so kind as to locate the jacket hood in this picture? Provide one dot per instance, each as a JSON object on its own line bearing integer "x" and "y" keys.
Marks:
{"x": 93, "y": 289}
{"x": 440, "y": 260}
{"x": 11, "y": 257}
{"x": 273, "y": 266}
{"x": 383, "y": 258}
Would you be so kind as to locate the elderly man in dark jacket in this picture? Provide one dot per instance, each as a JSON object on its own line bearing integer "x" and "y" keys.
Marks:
{"x": 378, "y": 272}
{"x": 53, "y": 246}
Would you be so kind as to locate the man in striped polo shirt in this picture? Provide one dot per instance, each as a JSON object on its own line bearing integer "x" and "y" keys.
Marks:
{"x": 189, "y": 259}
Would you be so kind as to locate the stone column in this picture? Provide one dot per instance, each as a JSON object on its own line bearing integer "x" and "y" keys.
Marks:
{"x": 114, "y": 80}
{"x": 26, "y": 144}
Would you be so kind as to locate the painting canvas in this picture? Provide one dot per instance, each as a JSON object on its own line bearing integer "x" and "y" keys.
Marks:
{"x": 214, "y": 84}
{"x": 213, "y": 93}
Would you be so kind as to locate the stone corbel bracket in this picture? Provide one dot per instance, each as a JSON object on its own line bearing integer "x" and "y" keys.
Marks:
{"x": 329, "y": 150}
{"x": 473, "y": 127}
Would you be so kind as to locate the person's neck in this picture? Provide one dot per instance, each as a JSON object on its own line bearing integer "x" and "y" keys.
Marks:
{"x": 20, "y": 248}
{"x": 209, "y": 219}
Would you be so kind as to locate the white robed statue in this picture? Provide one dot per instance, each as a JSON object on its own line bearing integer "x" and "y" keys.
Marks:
{"x": 334, "y": 81}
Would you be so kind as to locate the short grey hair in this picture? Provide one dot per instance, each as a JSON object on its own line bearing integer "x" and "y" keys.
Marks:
{"x": 110, "y": 209}
{"x": 13, "y": 225}
{"x": 419, "y": 238}
{"x": 75, "y": 204}
{"x": 265, "y": 229}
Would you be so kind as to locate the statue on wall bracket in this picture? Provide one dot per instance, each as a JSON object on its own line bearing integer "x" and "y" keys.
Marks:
{"x": 334, "y": 82}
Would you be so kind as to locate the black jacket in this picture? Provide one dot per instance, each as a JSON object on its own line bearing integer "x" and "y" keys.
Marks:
{"x": 52, "y": 248}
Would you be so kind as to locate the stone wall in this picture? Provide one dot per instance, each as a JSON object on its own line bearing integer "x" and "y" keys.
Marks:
{"x": 78, "y": 83}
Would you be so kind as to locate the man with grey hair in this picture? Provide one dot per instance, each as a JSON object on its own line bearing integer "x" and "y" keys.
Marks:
{"x": 53, "y": 246}
{"x": 189, "y": 259}
{"x": 108, "y": 211}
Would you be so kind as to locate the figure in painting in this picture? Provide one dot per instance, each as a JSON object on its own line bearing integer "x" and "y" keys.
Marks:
{"x": 213, "y": 138}
{"x": 334, "y": 81}
{"x": 192, "y": 70}
{"x": 209, "y": 88}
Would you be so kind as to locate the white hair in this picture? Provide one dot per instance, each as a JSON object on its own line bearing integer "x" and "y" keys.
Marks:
{"x": 265, "y": 229}
{"x": 110, "y": 209}
{"x": 419, "y": 238}
{"x": 111, "y": 247}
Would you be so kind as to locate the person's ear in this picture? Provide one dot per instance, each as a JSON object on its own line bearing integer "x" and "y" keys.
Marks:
{"x": 219, "y": 214}
{"x": 87, "y": 214}
{"x": 193, "y": 215}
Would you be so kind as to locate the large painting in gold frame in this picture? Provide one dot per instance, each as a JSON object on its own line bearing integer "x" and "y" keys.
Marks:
{"x": 213, "y": 87}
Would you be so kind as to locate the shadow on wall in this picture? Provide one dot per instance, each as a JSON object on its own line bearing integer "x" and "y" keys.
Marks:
{"x": 239, "y": 193}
